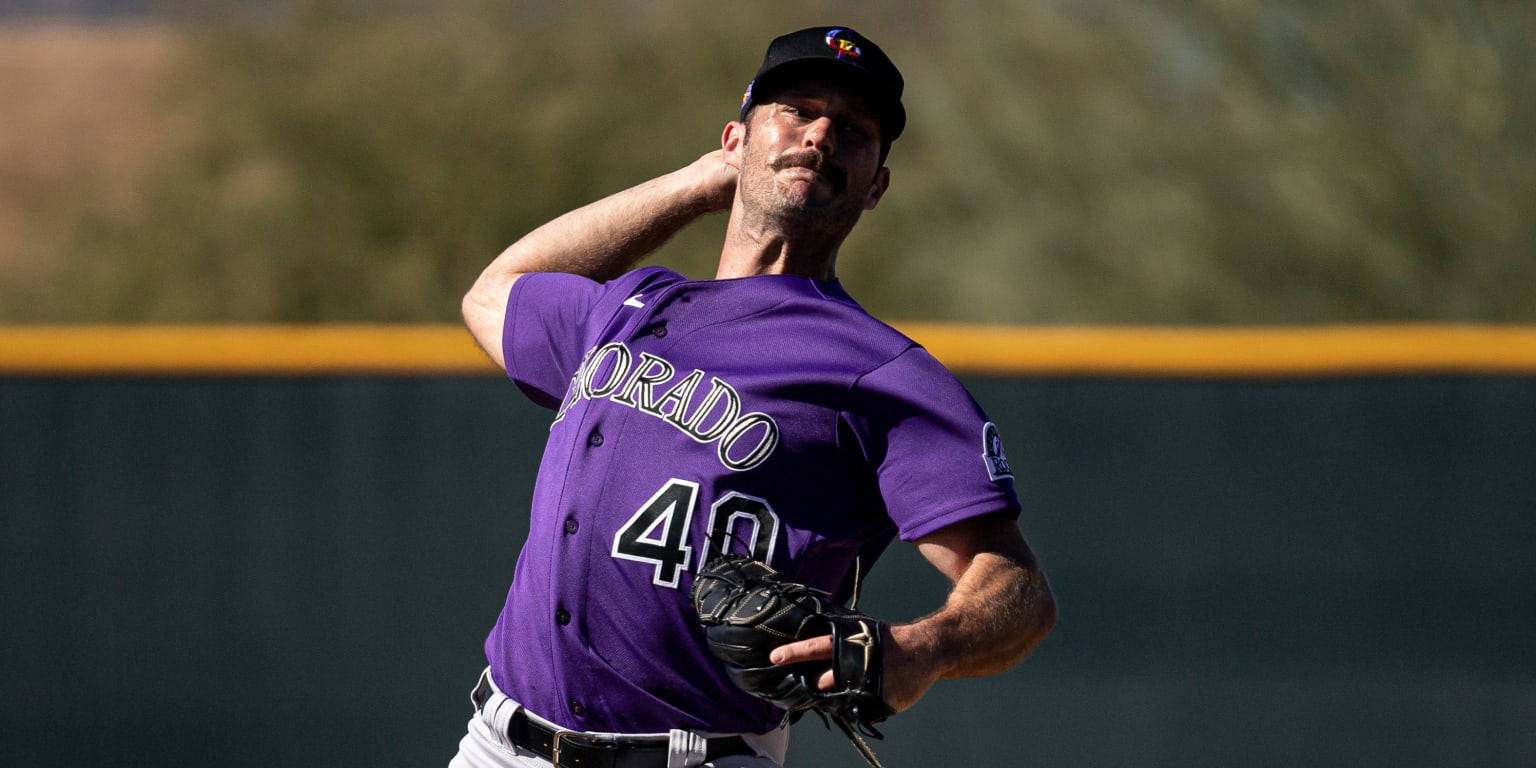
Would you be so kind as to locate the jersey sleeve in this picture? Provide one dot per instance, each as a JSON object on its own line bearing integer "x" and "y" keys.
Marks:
{"x": 937, "y": 458}
{"x": 543, "y": 332}
{"x": 553, "y": 318}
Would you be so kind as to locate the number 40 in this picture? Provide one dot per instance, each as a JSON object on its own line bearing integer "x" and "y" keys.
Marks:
{"x": 658, "y": 532}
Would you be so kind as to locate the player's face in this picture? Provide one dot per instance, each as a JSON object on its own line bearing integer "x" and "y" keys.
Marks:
{"x": 812, "y": 148}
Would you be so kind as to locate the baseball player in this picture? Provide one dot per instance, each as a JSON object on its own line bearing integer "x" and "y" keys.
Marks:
{"x": 762, "y": 413}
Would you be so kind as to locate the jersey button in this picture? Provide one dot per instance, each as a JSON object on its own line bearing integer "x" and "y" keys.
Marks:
{"x": 577, "y": 709}
{"x": 660, "y": 332}
{"x": 571, "y": 526}
{"x": 562, "y": 617}
{"x": 595, "y": 440}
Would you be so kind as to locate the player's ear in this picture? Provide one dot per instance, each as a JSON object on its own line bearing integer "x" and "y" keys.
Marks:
{"x": 731, "y": 142}
{"x": 877, "y": 189}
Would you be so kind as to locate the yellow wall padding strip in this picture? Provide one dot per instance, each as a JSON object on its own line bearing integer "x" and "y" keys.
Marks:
{"x": 303, "y": 350}
{"x": 280, "y": 350}
{"x": 1234, "y": 351}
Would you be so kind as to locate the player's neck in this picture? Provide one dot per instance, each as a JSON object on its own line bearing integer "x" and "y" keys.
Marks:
{"x": 763, "y": 250}
{"x": 781, "y": 261}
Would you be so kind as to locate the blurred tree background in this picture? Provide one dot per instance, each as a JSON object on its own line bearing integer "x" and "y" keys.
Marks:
{"x": 1067, "y": 161}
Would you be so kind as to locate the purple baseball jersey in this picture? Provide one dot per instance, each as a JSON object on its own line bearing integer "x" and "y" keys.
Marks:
{"x": 767, "y": 415}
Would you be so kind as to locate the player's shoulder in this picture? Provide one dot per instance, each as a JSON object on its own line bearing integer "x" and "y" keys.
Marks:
{"x": 641, "y": 280}
{"x": 629, "y": 289}
{"x": 866, "y": 336}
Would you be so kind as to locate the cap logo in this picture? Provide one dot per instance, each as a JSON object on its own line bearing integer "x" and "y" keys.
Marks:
{"x": 842, "y": 44}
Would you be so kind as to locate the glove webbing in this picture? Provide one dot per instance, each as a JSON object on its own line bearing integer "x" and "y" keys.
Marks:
{"x": 852, "y": 729}
{"x": 769, "y": 587}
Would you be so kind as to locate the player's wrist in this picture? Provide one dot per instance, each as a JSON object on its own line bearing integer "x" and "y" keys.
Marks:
{"x": 710, "y": 183}
{"x": 915, "y": 659}
{"x": 923, "y": 647}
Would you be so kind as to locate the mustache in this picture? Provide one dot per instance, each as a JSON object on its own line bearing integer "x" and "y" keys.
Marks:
{"x": 815, "y": 161}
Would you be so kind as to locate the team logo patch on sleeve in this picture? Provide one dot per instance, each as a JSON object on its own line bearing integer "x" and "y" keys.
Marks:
{"x": 992, "y": 453}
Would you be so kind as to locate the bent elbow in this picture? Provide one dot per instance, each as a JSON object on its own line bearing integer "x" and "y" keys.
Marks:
{"x": 470, "y": 306}
{"x": 1038, "y": 617}
{"x": 484, "y": 310}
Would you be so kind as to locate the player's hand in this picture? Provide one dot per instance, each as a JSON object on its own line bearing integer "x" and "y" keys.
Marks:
{"x": 716, "y": 180}
{"x": 907, "y": 676}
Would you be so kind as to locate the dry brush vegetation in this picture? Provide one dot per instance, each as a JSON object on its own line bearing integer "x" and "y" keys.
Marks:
{"x": 1175, "y": 161}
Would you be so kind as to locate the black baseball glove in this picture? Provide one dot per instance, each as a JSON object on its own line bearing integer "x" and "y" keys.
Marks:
{"x": 748, "y": 609}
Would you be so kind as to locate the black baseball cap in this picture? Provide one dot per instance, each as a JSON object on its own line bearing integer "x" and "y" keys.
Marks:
{"x": 835, "y": 49}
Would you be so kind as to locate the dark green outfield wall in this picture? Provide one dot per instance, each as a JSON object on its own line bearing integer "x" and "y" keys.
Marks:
{"x": 273, "y": 572}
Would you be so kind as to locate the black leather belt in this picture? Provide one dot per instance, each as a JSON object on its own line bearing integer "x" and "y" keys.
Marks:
{"x": 576, "y": 749}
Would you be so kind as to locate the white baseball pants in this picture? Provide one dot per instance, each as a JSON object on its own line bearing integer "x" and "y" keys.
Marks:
{"x": 486, "y": 744}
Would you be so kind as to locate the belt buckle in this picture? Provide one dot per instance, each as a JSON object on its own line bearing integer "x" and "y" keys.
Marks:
{"x": 554, "y": 747}
{"x": 581, "y": 738}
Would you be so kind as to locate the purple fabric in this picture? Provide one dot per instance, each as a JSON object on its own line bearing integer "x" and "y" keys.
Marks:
{"x": 772, "y": 411}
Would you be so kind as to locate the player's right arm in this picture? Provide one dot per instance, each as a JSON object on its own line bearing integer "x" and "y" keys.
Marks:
{"x": 601, "y": 240}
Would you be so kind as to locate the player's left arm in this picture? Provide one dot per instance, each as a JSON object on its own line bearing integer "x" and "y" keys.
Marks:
{"x": 999, "y": 608}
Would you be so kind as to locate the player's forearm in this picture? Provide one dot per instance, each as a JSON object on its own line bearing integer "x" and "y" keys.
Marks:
{"x": 600, "y": 240}
{"x": 998, "y": 611}
{"x": 999, "y": 608}
{"x": 604, "y": 239}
